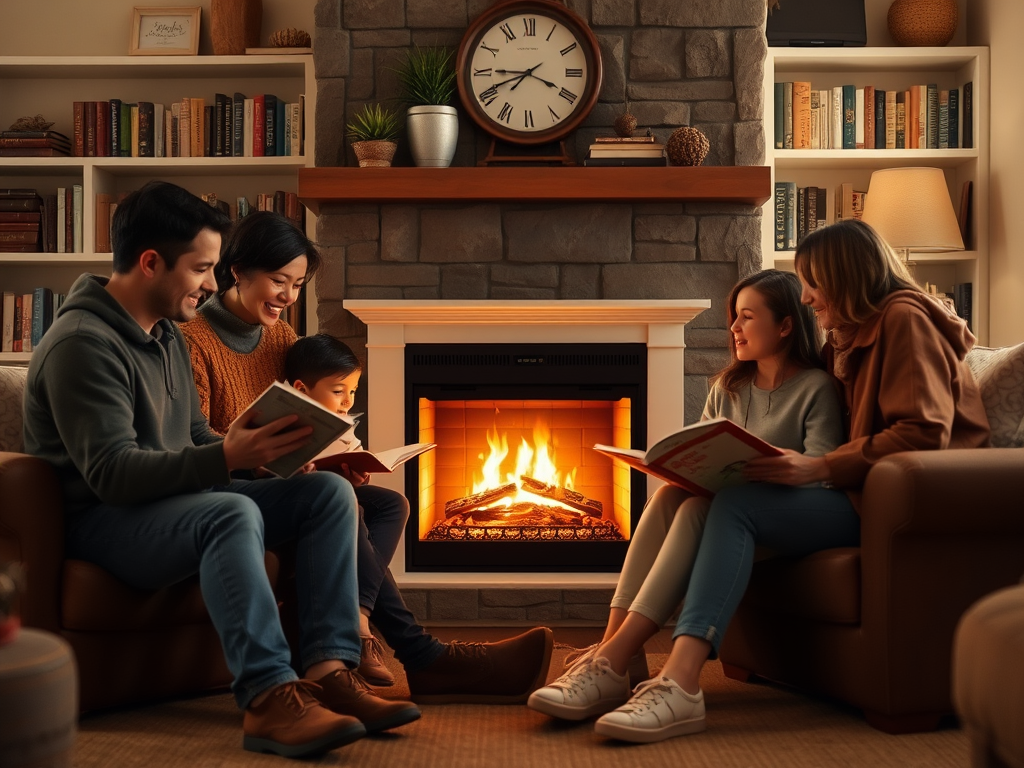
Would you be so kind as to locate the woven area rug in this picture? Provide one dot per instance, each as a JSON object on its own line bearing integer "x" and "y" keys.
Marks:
{"x": 755, "y": 726}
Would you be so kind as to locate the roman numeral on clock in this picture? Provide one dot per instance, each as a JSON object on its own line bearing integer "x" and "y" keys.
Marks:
{"x": 554, "y": 115}
{"x": 506, "y": 113}
{"x": 488, "y": 96}
{"x": 570, "y": 72}
{"x": 482, "y": 72}
{"x": 509, "y": 34}
{"x": 528, "y": 119}
{"x": 530, "y": 27}
{"x": 568, "y": 48}
{"x": 551, "y": 33}
{"x": 568, "y": 96}
{"x": 494, "y": 51}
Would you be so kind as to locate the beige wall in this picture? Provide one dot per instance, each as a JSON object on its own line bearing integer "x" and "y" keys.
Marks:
{"x": 998, "y": 24}
{"x": 102, "y": 27}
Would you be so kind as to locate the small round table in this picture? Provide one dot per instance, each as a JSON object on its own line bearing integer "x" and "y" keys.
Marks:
{"x": 38, "y": 701}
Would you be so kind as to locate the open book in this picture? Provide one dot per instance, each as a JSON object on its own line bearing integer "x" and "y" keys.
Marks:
{"x": 702, "y": 458}
{"x": 366, "y": 462}
{"x": 279, "y": 400}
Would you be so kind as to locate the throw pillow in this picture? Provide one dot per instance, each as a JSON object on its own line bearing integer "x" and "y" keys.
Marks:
{"x": 1000, "y": 376}
{"x": 12, "y": 386}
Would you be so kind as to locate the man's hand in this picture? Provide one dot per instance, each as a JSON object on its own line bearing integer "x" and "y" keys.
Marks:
{"x": 248, "y": 447}
{"x": 356, "y": 478}
{"x": 791, "y": 468}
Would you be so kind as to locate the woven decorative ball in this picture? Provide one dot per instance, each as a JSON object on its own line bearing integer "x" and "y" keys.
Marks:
{"x": 290, "y": 38}
{"x": 923, "y": 22}
{"x": 687, "y": 146}
{"x": 625, "y": 124}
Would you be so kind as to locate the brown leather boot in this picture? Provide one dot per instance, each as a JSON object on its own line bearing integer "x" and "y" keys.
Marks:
{"x": 371, "y": 663}
{"x": 505, "y": 672}
{"x": 291, "y": 722}
{"x": 345, "y": 692}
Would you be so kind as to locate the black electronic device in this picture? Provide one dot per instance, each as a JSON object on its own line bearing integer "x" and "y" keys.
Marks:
{"x": 817, "y": 23}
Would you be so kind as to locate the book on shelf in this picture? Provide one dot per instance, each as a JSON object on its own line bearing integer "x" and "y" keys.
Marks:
{"x": 967, "y": 105}
{"x": 607, "y": 139}
{"x": 627, "y": 150}
{"x": 26, "y": 317}
{"x": 880, "y": 118}
{"x": 279, "y": 400}
{"x": 42, "y": 314}
{"x": 61, "y": 220}
{"x": 849, "y": 117}
{"x": 103, "y": 203}
{"x": 55, "y": 136}
{"x": 296, "y": 130}
{"x": 702, "y": 458}
{"x": 615, "y": 162}
{"x": 33, "y": 152}
{"x": 146, "y": 130}
{"x": 76, "y": 218}
{"x": 962, "y": 301}
{"x": 787, "y": 115}
{"x": 785, "y": 232}
{"x": 26, "y": 323}
{"x": 849, "y": 202}
{"x": 890, "y": 120}
{"x": 825, "y": 118}
{"x": 954, "y": 118}
{"x": 237, "y": 124}
{"x": 102, "y": 127}
{"x": 815, "y": 120}
{"x": 259, "y": 116}
{"x": 901, "y": 120}
{"x": 859, "y": 125}
{"x": 48, "y": 222}
{"x": 366, "y": 462}
{"x": 125, "y": 147}
{"x": 869, "y": 117}
{"x": 269, "y": 125}
{"x": 932, "y": 116}
{"x": 280, "y": 134}
{"x": 780, "y": 136}
{"x": 801, "y": 114}
{"x": 943, "y": 119}
{"x": 7, "y": 336}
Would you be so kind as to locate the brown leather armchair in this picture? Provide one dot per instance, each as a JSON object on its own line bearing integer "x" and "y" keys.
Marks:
{"x": 873, "y": 625}
{"x": 131, "y": 645}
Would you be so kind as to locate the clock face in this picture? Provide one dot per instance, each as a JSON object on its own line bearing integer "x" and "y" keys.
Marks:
{"x": 529, "y": 73}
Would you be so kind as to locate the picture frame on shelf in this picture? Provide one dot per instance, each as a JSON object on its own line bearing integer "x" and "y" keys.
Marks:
{"x": 165, "y": 31}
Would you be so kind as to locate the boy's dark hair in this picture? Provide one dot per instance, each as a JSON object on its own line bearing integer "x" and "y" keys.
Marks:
{"x": 314, "y": 357}
{"x": 163, "y": 217}
{"x": 263, "y": 242}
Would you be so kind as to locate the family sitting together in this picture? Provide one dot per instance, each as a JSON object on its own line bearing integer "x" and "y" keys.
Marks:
{"x": 136, "y": 396}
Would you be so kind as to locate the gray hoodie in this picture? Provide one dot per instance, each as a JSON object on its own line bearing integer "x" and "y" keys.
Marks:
{"x": 114, "y": 409}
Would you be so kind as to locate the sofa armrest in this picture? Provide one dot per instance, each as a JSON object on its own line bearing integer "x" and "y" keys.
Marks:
{"x": 32, "y": 533}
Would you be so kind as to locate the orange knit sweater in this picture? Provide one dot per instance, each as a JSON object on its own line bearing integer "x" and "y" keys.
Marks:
{"x": 228, "y": 381}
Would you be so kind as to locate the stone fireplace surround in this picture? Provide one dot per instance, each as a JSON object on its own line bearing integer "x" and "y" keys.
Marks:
{"x": 698, "y": 64}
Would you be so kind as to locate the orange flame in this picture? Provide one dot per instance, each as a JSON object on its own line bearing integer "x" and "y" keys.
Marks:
{"x": 536, "y": 461}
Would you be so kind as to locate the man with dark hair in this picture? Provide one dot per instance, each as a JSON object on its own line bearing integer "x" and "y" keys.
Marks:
{"x": 111, "y": 403}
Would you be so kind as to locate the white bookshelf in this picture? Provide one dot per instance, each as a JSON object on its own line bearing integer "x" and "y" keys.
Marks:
{"x": 48, "y": 85}
{"x": 890, "y": 69}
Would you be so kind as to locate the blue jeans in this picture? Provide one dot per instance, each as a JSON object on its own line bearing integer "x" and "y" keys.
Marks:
{"x": 787, "y": 520}
{"x": 383, "y": 514}
{"x": 222, "y": 534}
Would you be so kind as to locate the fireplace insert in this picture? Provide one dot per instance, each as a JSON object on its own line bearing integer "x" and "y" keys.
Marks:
{"x": 513, "y": 484}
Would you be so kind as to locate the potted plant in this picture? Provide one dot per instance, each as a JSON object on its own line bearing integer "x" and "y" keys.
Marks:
{"x": 427, "y": 78}
{"x": 372, "y": 132}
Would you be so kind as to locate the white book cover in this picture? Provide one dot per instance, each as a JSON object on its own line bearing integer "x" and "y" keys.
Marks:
{"x": 62, "y": 222}
{"x": 365, "y": 462}
{"x": 859, "y": 119}
{"x": 825, "y": 118}
{"x": 7, "y": 340}
{"x": 836, "y": 129}
{"x": 26, "y": 322}
{"x": 76, "y": 217}
{"x": 247, "y": 112}
{"x": 295, "y": 137}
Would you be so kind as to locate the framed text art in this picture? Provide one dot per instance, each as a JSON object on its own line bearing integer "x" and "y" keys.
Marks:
{"x": 165, "y": 31}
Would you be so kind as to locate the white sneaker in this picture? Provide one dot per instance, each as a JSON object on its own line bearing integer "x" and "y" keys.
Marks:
{"x": 658, "y": 710}
{"x": 589, "y": 688}
{"x": 637, "y": 668}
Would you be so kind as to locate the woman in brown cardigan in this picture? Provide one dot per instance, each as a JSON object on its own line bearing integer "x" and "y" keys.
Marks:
{"x": 898, "y": 355}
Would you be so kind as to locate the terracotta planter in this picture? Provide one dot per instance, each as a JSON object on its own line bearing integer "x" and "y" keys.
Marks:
{"x": 235, "y": 25}
{"x": 374, "y": 154}
{"x": 923, "y": 22}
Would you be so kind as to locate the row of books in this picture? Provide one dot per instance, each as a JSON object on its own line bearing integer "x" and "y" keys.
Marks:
{"x": 626, "y": 151}
{"x": 41, "y": 223}
{"x": 230, "y": 126}
{"x": 848, "y": 117}
{"x": 799, "y": 210}
{"x": 26, "y": 317}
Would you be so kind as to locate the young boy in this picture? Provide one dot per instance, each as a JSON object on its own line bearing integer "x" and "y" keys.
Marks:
{"x": 327, "y": 370}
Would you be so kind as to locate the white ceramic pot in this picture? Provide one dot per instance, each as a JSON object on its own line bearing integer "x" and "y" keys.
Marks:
{"x": 433, "y": 133}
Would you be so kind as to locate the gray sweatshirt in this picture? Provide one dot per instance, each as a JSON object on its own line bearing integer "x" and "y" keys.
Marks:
{"x": 114, "y": 409}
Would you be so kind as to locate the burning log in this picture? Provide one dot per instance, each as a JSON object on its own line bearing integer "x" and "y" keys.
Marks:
{"x": 522, "y": 513}
{"x": 482, "y": 499}
{"x": 565, "y": 495}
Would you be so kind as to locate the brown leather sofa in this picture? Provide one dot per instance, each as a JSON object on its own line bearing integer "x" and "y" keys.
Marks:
{"x": 130, "y": 645}
{"x": 873, "y": 625}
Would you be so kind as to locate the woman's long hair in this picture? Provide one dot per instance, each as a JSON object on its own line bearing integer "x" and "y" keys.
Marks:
{"x": 853, "y": 267}
{"x": 781, "y": 293}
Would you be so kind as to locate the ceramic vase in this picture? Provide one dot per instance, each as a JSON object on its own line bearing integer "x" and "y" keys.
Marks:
{"x": 923, "y": 22}
{"x": 374, "y": 154}
{"x": 433, "y": 133}
{"x": 235, "y": 25}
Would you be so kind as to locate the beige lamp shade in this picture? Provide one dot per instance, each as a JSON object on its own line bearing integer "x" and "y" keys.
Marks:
{"x": 910, "y": 208}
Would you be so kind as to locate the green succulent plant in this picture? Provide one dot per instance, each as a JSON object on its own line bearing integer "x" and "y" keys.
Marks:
{"x": 373, "y": 123}
{"x": 427, "y": 76}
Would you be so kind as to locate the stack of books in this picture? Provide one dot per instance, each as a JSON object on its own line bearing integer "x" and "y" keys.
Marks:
{"x": 34, "y": 144}
{"x": 20, "y": 220}
{"x": 631, "y": 150}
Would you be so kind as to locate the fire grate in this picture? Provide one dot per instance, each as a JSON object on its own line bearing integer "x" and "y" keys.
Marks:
{"x": 601, "y": 530}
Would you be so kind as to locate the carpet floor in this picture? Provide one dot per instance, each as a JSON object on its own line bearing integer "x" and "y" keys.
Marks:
{"x": 749, "y": 726}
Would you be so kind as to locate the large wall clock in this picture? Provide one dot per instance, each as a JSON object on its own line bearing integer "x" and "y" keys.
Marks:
{"x": 529, "y": 71}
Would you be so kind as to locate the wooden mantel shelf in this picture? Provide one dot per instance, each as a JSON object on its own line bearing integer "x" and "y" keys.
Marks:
{"x": 748, "y": 185}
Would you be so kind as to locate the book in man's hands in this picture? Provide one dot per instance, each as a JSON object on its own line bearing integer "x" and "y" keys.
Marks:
{"x": 702, "y": 458}
{"x": 366, "y": 462}
{"x": 279, "y": 400}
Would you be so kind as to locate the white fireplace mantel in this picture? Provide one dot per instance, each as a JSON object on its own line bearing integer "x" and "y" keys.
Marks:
{"x": 392, "y": 324}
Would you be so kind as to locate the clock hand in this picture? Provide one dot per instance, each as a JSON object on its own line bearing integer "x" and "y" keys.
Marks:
{"x": 527, "y": 73}
{"x": 548, "y": 83}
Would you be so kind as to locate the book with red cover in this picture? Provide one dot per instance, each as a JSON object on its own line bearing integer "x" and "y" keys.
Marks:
{"x": 103, "y": 129}
{"x": 258, "y": 125}
{"x": 78, "y": 121}
{"x": 702, "y": 458}
{"x": 32, "y": 152}
{"x": 89, "y": 128}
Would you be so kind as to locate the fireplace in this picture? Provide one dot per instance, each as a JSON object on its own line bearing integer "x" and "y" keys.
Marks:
{"x": 513, "y": 484}
{"x": 561, "y": 374}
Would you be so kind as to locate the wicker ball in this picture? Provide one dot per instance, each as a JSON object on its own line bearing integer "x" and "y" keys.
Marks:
{"x": 290, "y": 38}
{"x": 625, "y": 124}
{"x": 923, "y": 22}
{"x": 687, "y": 146}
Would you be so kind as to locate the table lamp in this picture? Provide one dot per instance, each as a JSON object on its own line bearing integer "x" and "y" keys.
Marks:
{"x": 910, "y": 208}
